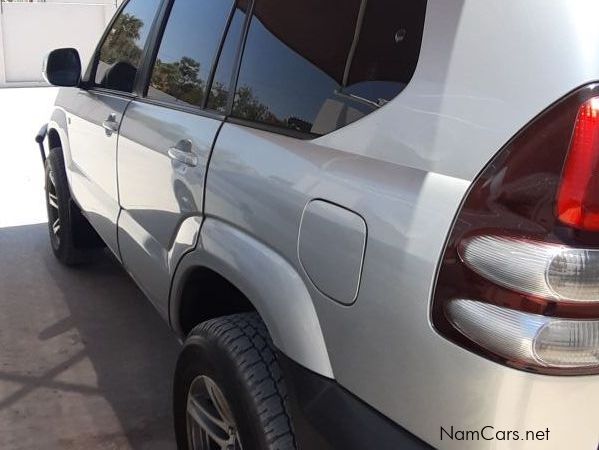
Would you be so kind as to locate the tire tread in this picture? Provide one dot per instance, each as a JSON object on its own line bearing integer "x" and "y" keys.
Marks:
{"x": 251, "y": 347}
{"x": 67, "y": 253}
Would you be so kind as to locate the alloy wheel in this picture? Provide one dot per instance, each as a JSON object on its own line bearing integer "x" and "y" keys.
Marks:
{"x": 210, "y": 421}
{"x": 53, "y": 210}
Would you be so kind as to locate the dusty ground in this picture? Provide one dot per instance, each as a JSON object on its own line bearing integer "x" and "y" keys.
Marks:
{"x": 85, "y": 361}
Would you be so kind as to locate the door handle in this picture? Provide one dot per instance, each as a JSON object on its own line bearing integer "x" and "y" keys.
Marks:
{"x": 183, "y": 153}
{"x": 110, "y": 125}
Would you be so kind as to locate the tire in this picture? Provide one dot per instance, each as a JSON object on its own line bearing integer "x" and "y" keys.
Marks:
{"x": 236, "y": 354}
{"x": 71, "y": 236}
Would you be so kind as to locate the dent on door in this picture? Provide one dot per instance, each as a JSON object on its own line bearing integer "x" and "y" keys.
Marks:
{"x": 331, "y": 246}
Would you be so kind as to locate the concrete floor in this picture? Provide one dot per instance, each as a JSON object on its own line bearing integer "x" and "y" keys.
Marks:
{"x": 85, "y": 361}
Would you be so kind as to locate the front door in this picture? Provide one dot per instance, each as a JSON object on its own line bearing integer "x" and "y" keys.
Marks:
{"x": 95, "y": 115}
{"x": 164, "y": 146}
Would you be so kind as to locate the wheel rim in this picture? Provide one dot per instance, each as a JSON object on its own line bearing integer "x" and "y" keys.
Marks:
{"x": 210, "y": 422}
{"x": 53, "y": 213}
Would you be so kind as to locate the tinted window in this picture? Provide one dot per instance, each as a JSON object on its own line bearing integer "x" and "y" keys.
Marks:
{"x": 190, "y": 43}
{"x": 219, "y": 93}
{"x": 120, "y": 54}
{"x": 315, "y": 66}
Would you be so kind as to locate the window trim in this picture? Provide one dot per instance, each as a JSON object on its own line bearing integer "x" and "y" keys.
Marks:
{"x": 89, "y": 82}
{"x": 239, "y": 59}
{"x": 217, "y": 55}
{"x": 289, "y": 132}
{"x": 143, "y": 83}
{"x": 154, "y": 38}
{"x": 210, "y": 114}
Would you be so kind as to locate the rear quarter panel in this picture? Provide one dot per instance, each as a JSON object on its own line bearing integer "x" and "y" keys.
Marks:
{"x": 486, "y": 69}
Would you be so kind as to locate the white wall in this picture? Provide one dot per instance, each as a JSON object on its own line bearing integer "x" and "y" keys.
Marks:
{"x": 28, "y": 31}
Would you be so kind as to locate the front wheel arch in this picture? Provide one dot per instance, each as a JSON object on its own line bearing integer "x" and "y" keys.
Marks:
{"x": 54, "y": 140}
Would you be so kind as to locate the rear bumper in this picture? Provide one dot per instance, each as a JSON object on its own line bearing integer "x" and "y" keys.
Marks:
{"x": 326, "y": 416}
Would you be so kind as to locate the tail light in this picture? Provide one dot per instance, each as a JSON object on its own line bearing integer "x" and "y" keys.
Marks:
{"x": 519, "y": 278}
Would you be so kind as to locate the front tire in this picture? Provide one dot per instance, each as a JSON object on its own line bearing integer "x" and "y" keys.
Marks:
{"x": 229, "y": 391}
{"x": 71, "y": 236}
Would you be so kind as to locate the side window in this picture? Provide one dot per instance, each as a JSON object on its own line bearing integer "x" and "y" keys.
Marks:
{"x": 190, "y": 43}
{"x": 120, "y": 54}
{"x": 315, "y": 66}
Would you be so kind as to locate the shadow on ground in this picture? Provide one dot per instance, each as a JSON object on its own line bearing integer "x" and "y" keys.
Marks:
{"x": 85, "y": 360}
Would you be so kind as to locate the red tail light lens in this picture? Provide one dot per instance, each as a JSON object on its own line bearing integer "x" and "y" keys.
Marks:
{"x": 519, "y": 279}
{"x": 578, "y": 199}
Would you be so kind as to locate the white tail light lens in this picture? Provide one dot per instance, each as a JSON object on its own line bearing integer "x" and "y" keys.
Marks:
{"x": 528, "y": 339}
{"x": 546, "y": 270}
{"x": 518, "y": 282}
{"x": 574, "y": 275}
{"x": 568, "y": 343}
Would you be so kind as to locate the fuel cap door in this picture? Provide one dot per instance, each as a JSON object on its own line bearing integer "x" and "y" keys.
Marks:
{"x": 331, "y": 246}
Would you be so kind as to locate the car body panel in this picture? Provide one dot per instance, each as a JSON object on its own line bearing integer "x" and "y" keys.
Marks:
{"x": 157, "y": 192}
{"x": 269, "y": 281}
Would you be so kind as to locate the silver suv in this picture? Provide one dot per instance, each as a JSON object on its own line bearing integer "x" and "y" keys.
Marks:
{"x": 374, "y": 224}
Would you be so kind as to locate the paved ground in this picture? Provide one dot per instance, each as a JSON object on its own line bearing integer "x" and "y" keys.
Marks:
{"x": 85, "y": 361}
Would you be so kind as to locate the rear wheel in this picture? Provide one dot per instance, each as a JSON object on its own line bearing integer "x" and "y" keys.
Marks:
{"x": 70, "y": 233}
{"x": 229, "y": 391}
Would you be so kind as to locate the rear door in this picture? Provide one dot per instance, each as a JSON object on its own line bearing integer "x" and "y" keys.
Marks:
{"x": 95, "y": 113}
{"x": 165, "y": 142}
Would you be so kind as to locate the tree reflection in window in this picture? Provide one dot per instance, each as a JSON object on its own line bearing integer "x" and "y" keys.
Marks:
{"x": 180, "y": 80}
{"x": 122, "y": 42}
{"x": 189, "y": 45}
{"x": 121, "y": 52}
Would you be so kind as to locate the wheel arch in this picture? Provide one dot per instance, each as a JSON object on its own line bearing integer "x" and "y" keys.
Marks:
{"x": 200, "y": 284}
{"x": 58, "y": 135}
{"x": 54, "y": 139}
{"x": 270, "y": 284}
